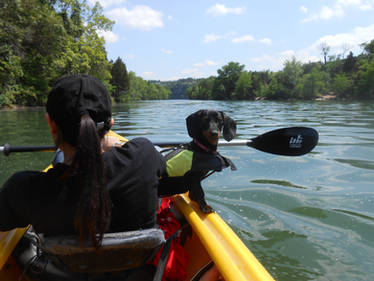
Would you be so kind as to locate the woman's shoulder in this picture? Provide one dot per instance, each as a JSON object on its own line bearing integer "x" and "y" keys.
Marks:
{"x": 28, "y": 178}
{"x": 22, "y": 177}
{"x": 140, "y": 141}
{"x": 20, "y": 185}
{"x": 134, "y": 146}
{"x": 136, "y": 152}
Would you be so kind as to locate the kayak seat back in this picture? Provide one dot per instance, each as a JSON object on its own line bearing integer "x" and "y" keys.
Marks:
{"x": 119, "y": 251}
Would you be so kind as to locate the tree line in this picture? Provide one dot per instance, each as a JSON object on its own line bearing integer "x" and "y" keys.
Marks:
{"x": 351, "y": 77}
{"x": 41, "y": 40}
{"x": 179, "y": 87}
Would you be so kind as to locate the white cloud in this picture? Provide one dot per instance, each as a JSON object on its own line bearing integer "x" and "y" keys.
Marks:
{"x": 326, "y": 13}
{"x": 276, "y": 62}
{"x": 211, "y": 37}
{"x": 140, "y": 17}
{"x": 109, "y": 36}
{"x": 250, "y": 38}
{"x": 304, "y": 9}
{"x": 244, "y": 38}
{"x": 361, "y": 5}
{"x": 107, "y": 3}
{"x": 220, "y": 10}
{"x": 366, "y": 7}
{"x": 338, "y": 44}
{"x": 165, "y": 51}
{"x": 266, "y": 62}
{"x": 236, "y": 40}
{"x": 358, "y": 36}
{"x": 266, "y": 41}
{"x": 338, "y": 9}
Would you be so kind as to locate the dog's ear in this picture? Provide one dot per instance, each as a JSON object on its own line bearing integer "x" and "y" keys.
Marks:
{"x": 229, "y": 127}
{"x": 192, "y": 123}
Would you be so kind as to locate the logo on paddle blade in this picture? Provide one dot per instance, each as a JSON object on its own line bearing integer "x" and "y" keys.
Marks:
{"x": 296, "y": 142}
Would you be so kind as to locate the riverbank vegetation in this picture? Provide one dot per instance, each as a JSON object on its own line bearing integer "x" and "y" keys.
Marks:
{"x": 178, "y": 87}
{"x": 350, "y": 77}
{"x": 41, "y": 40}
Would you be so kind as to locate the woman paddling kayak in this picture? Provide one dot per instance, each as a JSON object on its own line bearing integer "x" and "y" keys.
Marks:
{"x": 93, "y": 191}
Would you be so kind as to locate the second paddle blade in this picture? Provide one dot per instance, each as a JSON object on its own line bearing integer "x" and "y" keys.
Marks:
{"x": 292, "y": 141}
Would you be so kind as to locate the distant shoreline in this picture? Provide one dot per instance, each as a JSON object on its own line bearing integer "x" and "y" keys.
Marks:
{"x": 329, "y": 97}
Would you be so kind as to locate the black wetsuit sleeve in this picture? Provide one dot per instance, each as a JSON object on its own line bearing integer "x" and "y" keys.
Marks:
{"x": 14, "y": 203}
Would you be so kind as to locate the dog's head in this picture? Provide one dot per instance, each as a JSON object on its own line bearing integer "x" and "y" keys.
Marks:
{"x": 206, "y": 126}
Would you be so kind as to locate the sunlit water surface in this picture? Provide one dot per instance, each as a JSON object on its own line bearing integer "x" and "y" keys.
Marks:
{"x": 305, "y": 218}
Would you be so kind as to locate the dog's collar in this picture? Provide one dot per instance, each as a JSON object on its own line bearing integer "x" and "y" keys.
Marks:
{"x": 225, "y": 162}
{"x": 203, "y": 147}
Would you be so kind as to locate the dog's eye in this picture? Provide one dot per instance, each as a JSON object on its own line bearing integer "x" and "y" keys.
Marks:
{"x": 205, "y": 123}
{"x": 219, "y": 122}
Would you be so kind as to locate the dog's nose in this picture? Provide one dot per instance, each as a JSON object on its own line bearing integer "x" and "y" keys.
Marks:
{"x": 214, "y": 133}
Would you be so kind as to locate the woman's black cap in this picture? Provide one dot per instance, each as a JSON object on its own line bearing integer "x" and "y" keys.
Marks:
{"x": 76, "y": 95}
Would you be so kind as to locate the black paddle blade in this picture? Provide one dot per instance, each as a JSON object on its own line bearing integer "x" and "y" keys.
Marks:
{"x": 293, "y": 141}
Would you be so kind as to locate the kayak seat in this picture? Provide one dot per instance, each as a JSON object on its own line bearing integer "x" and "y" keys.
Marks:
{"x": 118, "y": 252}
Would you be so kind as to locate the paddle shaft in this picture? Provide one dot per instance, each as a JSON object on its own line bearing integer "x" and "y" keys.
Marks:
{"x": 220, "y": 143}
{"x": 7, "y": 149}
{"x": 292, "y": 141}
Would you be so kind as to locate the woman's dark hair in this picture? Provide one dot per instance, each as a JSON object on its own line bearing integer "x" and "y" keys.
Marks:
{"x": 92, "y": 214}
{"x": 80, "y": 105}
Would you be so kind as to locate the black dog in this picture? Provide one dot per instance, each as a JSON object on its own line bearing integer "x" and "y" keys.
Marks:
{"x": 188, "y": 165}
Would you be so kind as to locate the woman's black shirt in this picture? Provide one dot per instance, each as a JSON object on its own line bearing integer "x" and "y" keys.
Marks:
{"x": 47, "y": 202}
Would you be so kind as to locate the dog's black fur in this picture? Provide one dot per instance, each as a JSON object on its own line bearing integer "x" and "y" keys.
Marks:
{"x": 204, "y": 127}
{"x": 212, "y": 122}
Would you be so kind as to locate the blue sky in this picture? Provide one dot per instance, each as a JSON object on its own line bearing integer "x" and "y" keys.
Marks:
{"x": 172, "y": 39}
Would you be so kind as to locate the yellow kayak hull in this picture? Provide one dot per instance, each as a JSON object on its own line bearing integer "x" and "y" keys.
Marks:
{"x": 212, "y": 240}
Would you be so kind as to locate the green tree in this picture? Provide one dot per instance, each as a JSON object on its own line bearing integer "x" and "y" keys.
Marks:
{"x": 369, "y": 48}
{"x": 144, "y": 90}
{"x": 342, "y": 85}
{"x": 243, "y": 87}
{"x": 202, "y": 90}
{"x": 120, "y": 79}
{"x": 225, "y": 82}
{"x": 275, "y": 89}
{"x": 290, "y": 76}
{"x": 312, "y": 85}
{"x": 41, "y": 40}
{"x": 365, "y": 87}
{"x": 349, "y": 64}
{"x": 259, "y": 80}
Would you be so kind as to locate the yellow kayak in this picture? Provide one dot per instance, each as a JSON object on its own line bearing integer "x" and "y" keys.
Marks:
{"x": 212, "y": 240}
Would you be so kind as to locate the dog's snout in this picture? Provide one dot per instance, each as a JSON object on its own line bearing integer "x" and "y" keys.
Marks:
{"x": 214, "y": 130}
{"x": 214, "y": 133}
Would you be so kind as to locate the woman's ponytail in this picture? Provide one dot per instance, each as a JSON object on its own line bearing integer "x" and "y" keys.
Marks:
{"x": 93, "y": 205}
{"x": 81, "y": 107}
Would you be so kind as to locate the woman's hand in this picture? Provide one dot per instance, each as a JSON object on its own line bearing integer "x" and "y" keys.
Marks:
{"x": 109, "y": 141}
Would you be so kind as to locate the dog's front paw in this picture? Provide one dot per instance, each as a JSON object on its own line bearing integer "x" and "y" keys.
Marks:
{"x": 206, "y": 209}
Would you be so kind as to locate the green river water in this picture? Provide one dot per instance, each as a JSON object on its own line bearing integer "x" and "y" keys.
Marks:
{"x": 305, "y": 218}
